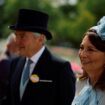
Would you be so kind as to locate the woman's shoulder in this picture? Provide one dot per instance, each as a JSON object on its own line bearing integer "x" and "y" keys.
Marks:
{"x": 102, "y": 101}
{"x": 80, "y": 83}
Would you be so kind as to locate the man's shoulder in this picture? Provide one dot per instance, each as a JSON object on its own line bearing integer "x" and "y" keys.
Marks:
{"x": 59, "y": 61}
{"x": 54, "y": 58}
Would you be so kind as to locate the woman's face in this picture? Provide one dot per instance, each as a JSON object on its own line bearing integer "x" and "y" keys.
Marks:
{"x": 92, "y": 60}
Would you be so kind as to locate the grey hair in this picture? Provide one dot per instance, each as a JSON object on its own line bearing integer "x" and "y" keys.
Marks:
{"x": 38, "y": 34}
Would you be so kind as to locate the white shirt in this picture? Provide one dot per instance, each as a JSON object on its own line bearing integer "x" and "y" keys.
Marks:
{"x": 35, "y": 59}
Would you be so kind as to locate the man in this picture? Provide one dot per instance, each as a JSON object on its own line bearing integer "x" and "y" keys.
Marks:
{"x": 51, "y": 80}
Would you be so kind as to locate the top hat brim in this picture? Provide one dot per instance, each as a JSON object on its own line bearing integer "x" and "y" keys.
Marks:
{"x": 33, "y": 29}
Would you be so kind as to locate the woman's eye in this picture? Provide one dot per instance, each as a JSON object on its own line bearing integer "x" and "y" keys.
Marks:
{"x": 90, "y": 50}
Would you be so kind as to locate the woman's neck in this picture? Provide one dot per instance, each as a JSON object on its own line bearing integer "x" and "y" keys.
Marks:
{"x": 94, "y": 77}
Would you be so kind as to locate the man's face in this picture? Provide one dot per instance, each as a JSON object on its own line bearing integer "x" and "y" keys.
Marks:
{"x": 28, "y": 43}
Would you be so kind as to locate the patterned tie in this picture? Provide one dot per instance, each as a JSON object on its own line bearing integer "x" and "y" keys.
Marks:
{"x": 26, "y": 71}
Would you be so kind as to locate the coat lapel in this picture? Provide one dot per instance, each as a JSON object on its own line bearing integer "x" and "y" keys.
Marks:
{"x": 41, "y": 69}
{"x": 42, "y": 62}
{"x": 16, "y": 79}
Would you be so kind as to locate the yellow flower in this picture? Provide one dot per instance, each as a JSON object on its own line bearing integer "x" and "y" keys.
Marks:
{"x": 34, "y": 78}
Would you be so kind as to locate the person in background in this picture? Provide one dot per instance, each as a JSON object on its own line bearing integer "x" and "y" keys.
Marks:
{"x": 91, "y": 84}
{"x": 12, "y": 49}
{"x": 5, "y": 61}
{"x": 49, "y": 80}
{"x": 4, "y": 73}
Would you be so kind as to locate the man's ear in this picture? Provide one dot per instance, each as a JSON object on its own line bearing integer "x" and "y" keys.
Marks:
{"x": 42, "y": 38}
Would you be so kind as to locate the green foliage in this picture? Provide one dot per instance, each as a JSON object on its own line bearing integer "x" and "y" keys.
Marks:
{"x": 96, "y": 8}
{"x": 68, "y": 23}
{"x": 71, "y": 28}
{"x": 10, "y": 10}
{"x": 84, "y": 21}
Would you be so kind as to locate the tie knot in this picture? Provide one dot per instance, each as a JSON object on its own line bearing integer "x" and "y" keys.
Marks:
{"x": 29, "y": 61}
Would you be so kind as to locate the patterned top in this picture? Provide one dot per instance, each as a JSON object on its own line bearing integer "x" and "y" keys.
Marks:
{"x": 88, "y": 95}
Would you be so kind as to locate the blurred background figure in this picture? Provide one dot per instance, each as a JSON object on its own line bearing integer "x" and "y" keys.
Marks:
{"x": 10, "y": 52}
{"x": 12, "y": 49}
{"x": 4, "y": 73}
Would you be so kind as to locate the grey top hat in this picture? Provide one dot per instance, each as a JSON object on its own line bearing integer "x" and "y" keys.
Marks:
{"x": 32, "y": 20}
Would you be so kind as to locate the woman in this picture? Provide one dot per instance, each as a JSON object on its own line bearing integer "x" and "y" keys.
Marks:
{"x": 91, "y": 84}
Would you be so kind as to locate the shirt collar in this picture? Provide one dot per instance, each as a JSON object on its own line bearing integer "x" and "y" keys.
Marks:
{"x": 36, "y": 56}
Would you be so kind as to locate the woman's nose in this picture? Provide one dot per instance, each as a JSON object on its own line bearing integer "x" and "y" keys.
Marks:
{"x": 83, "y": 53}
